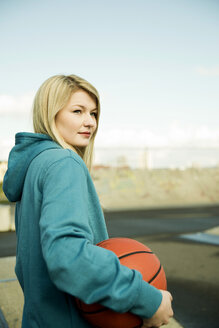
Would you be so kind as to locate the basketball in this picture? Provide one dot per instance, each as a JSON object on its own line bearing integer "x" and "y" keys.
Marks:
{"x": 134, "y": 255}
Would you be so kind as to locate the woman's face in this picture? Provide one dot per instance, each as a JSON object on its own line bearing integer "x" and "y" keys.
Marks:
{"x": 76, "y": 122}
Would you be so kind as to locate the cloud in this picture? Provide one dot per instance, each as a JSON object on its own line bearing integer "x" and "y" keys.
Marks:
{"x": 192, "y": 136}
{"x": 20, "y": 104}
{"x": 174, "y": 135}
{"x": 128, "y": 137}
{"x": 179, "y": 145}
{"x": 214, "y": 71}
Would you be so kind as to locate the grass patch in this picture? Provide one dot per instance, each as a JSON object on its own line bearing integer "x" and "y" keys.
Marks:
{"x": 3, "y": 198}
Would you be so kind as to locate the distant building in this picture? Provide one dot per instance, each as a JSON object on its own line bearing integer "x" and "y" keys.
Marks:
{"x": 145, "y": 159}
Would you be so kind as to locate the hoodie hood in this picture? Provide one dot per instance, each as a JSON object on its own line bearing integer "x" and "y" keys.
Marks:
{"x": 27, "y": 147}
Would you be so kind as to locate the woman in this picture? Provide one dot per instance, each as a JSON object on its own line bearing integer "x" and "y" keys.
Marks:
{"x": 59, "y": 219}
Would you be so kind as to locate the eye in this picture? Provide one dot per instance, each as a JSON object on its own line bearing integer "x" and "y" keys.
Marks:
{"x": 94, "y": 114}
{"x": 77, "y": 111}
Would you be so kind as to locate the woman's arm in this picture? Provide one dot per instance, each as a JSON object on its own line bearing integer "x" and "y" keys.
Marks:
{"x": 75, "y": 265}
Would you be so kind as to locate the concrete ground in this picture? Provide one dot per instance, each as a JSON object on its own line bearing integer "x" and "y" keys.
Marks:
{"x": 11, "y": 296}
{"x": 191, "y": 268}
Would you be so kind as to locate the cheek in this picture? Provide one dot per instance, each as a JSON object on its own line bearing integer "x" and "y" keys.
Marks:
{"x": 70, "y": 130}
{"x": 95, "y": 125}
{"x": 65, "y": 123}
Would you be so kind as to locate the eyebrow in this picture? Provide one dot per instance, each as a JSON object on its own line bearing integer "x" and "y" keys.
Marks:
{"x": 83, "y": 107}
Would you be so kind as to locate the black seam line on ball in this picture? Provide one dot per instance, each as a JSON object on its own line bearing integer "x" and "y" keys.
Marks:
{"x": 156, "y": 274}
{"x": 122, "y": 256}
{"x": 94, "y": 312}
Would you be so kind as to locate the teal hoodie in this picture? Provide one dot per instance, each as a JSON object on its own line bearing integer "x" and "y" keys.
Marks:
{"x": 58, "y": 222}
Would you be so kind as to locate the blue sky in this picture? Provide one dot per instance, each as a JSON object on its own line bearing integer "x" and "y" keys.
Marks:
{"x": 155, "y": 64}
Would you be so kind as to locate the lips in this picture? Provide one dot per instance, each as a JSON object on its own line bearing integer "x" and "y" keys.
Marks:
{"x": 85, "y": 133}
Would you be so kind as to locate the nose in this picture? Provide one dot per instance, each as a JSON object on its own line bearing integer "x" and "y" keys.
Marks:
{"x": 89, "y": 120}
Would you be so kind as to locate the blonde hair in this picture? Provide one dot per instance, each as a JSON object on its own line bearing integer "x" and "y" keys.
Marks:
{"x": 51, "y": 97}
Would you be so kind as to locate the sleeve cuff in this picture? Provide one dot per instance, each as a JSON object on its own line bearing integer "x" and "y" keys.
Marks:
{"x": 148, "y": 301}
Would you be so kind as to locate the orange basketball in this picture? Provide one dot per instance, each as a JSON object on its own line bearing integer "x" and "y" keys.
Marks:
{"x": 134, "y": 255}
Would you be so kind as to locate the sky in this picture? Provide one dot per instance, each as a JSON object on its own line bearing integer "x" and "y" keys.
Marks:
{"x": 154, "y": 63}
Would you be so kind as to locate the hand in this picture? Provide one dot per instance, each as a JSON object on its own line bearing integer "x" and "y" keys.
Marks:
{"x": 163, "y": 314}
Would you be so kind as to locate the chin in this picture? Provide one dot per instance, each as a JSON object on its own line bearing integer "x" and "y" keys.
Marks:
{"x": 81, "y": 145}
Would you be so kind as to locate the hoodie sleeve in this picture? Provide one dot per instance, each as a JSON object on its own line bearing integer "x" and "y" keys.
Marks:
{"x": 75, "y": 265}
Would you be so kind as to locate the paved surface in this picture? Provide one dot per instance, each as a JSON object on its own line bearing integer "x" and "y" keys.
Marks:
{"x": 174, "y": 221}
{"x": 192, "y": 267}
{"x": 191, "y": 264}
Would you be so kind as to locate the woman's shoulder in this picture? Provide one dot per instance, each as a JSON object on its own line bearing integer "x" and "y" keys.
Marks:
{"x": 51, "y": 157}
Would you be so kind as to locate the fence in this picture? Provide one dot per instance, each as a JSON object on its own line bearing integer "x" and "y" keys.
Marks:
{"x": 152, "y": 158}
